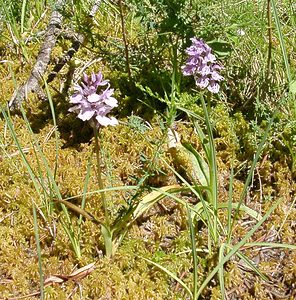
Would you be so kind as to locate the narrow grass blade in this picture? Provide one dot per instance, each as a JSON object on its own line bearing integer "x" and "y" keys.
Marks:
{"x": 86, "y": 181}
{"x": 252, "y": 213}
{"x": 52, "y": 109}
{"x": 23, "y": 15}
{"x": 172, "y": 275}
{"x": 108, "y": 243}
{"x": 221, "y": 271}
{"x": 238, "y": 246}
{"x": 251, "y": 265}
{"x": 20, "y": 149}
{"x": 270, "y": 245}
{"x": 117, "y": 188}
{"x": 251, "y": 171}
{"x": 191, "y": 113}
{"x": 282, "y": 43}
{"x": 78, "y": 210}
{"x": 49, "y": 173}
{"x": 196, "y": 191}
{"x": 150, "y": 199}
{"x": 229, "y": 203}
{"x": 38, "y": 253}
{"x": 53, "y": 185}
{"x": 193, "y": 250}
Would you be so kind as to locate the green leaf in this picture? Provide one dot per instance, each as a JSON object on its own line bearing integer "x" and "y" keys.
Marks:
{"x": 222, "y": 48}
{"x": 292, "y": 87}
{"x": 200, "y": 168}
{"x": 251, "y": 265}
{"x": 236, "y": 247}
{"x": 194, "y": 255}
{"x": 107, "y": 235}
{"x": 221, "y": 271}
{"x": 174, "y": 276}
{"x": 270, "y": 245}
{"x": 149, "y": 200}
{"x": 243, "y": 208}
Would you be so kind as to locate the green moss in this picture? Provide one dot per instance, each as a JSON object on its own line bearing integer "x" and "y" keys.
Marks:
{"x": 130, "y": 155}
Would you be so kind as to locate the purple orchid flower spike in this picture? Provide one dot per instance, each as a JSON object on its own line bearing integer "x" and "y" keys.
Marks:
{"x": 201, "y": 64}
{"x": 93, "y": 105}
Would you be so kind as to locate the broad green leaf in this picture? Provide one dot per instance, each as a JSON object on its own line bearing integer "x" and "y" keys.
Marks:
{"x": 199, "y": 167}
{"x": 107, "y": 235}
{"x": 292, "y": 87}
{"x": 149, "y": 200}
{"x": 243, "y": 208}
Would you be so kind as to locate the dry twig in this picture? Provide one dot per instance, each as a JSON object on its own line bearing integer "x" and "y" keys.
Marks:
{"x": 43, "y": 58}
{"x": 53, "y": 30}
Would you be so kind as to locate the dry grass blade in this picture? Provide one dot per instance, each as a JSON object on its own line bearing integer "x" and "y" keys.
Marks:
{"x": 75, "y": 276}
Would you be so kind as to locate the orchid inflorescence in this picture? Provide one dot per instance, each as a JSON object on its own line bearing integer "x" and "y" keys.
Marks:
{"x": 201, "y": 64}
{"x": 91, "y": 104}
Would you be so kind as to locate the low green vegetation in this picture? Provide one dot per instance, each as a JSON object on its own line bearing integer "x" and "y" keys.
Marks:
{"x": 190, "y": 194}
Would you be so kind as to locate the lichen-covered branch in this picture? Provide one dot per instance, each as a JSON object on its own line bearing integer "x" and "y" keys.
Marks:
{"x": 77, "y": 40}
{"x": 52, "y": 32}
{"x": 43, "y": 58}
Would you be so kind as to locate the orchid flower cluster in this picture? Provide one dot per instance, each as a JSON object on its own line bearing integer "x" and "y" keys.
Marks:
{"x": 201, "y": 64}
{"x": 91, "y": 104}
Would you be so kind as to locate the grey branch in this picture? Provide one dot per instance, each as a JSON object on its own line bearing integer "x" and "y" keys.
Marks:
{"x": 43, "y": 58}
{"x": 52, "y": 32}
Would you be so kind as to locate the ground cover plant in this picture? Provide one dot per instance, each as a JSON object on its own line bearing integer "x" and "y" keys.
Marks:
{"x": 147, "y": 149}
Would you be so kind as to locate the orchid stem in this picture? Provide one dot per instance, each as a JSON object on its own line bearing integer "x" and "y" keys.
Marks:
{"x": 99, "y": 177}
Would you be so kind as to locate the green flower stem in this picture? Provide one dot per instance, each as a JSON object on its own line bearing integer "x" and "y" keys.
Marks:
{"x": 106, "y": 232}
{"x": 213, "y": 197}
{"x": 99, "y": 177}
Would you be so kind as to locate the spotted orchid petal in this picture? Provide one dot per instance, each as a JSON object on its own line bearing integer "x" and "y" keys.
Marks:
{"x": 201, "y": 64}
{"x": 92, "y": 103}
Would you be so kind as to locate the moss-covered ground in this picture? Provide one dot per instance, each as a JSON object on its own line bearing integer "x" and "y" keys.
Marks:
{"x": 134, "y": 150}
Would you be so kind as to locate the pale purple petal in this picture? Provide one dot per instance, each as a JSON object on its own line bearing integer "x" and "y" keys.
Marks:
{"x": 188, "y": 70}
{"x": 93, "y": 77}
{"x": 78, "y": 88}
{"x": 99, "y": 77}
{"x": 86, "y": 115}
{"x": 204, "y": 70}
{"x": 113, "y": 121}
{"x": 93, "y": 104}
{"x": 100, "y": 81}
{"x": 76, "y": 98}
{"x": 210, "y": 58}
{"x": 85, "y": 78}
{"x": 93, "y": 98}
{"x": 213, "y": 87}
{"x": 216, "y": 67}
{"x": 111, "y": 101}
{"x": 201, "y": 64}
{"x": 216, "y": 76}
{"x": 105, "y": 121}
{"x": 103, "y": 110}
{"x": 202, "y": 82}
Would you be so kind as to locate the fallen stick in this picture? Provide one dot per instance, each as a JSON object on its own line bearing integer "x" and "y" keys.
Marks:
{"x": 43, "y": 58}
{"x": 52, "y": 32}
